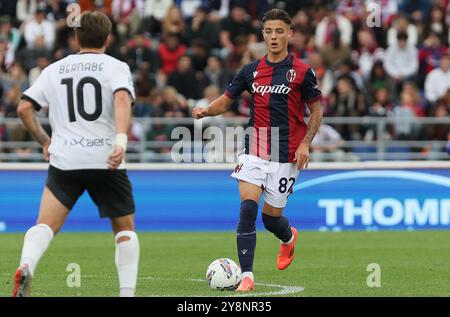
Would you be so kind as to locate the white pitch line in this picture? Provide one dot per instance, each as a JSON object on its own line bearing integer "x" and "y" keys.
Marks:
{"x": 284, "y": 289}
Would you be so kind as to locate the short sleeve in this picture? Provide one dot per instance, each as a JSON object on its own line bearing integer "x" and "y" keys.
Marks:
{"x": 36, "y": 93}
{"x": 122, "y": 80}
{"x": 237, "y": 85}
{"x": 310, "y": 90}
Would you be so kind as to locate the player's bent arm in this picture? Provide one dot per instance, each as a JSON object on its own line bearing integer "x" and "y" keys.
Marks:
{"x": 315, "y": 120}
{"x": 26, "y": 113}
{"x": 215, "y": 108}
{"x": 122, "y": 111}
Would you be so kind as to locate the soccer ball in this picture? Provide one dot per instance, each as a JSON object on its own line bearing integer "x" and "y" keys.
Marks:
{"x": 223, "y": 274}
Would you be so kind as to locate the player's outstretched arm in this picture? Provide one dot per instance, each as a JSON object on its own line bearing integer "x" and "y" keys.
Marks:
{"x": 315, "y": 119}
{"x": 26, "y": 113}
{"x": 215, "y": 108}
{"x": 122, "y": 111}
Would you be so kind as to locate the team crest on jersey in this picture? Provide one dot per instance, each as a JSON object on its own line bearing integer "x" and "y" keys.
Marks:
{"x": 291, "y": 75}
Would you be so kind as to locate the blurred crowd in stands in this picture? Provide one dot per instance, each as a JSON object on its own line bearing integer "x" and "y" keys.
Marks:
{"x": 376, "y": 58}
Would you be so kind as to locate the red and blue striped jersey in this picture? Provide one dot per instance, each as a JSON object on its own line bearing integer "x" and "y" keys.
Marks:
{"x": 279, "y": 93}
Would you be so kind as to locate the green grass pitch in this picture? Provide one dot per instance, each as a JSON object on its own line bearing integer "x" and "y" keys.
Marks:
{"x": 174, "y": 264}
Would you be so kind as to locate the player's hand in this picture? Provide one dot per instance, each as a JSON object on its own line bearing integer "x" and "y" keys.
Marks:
{"x": 45, "y": 152}
{"x": 116, "y": 158}
{"x": 198, "y": 112}
{"x": 302, "y": 156}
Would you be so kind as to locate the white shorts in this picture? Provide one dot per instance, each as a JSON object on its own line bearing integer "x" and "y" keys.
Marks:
{"x": 276, "y": 179}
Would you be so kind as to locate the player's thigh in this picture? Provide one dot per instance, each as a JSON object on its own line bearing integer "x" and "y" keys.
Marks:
{"x": 252, "y": 175}
{"x": 249, "y": 191}
{"x": 111, "y": 191}
{"x": 280, "y": 184}
{"x": 52, "y": 212}
{"x": 61, "y": 192}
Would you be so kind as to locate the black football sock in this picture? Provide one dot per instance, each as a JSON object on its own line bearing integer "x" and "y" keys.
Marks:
{"x": 279, "y": 226}
{"x": 246, "y": 234}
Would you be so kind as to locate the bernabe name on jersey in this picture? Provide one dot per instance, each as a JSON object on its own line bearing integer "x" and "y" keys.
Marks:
{"x": 275, "y": 89}
{"x": 81, "y": 67}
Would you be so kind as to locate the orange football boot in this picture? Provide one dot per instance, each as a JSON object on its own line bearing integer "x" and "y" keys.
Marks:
{"x": 247, "y": 285}
{"x": 286, "y": 255}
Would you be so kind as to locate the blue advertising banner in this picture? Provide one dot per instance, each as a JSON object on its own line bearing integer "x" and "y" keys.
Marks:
{"x": 202, "y": 200}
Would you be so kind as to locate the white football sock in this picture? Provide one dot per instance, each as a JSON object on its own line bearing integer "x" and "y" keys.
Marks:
{"x": 36, "y": 241}
{"x": 248, "y": 274}
{"x": 127, "y": 260}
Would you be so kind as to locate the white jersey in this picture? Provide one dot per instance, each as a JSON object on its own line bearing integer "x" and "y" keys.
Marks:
{"x": 79, "y": 92}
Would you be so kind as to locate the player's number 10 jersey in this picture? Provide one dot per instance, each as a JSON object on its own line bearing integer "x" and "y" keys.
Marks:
{"x": 79, "y": 93}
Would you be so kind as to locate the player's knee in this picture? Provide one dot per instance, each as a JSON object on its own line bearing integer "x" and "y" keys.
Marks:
{"x": 248, "y": 215}
{"x": 274, "y": 224}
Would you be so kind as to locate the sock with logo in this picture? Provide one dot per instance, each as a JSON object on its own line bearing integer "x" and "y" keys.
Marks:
{"x": 246, "y": 234}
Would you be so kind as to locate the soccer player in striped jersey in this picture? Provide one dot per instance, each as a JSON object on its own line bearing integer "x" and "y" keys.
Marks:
{"x": 277, "y": 140}
{"x": 89, "y": 97}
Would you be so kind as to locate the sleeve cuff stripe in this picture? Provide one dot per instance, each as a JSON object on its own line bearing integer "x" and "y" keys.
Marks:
{"x": 314, "y": 99}
{"x": 127, "y": 90}
{"x": 228, "y": 94}
{"x": 35, "y": 104}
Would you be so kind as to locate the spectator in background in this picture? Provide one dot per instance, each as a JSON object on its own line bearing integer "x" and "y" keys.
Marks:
{"x": 16, "y": 76}
{"x": 201, "y": 28}
{"x": 430, "y": 54}
{"x": 139, "y": 51}
{"x": 183, "y": 79}
{"x": 170, "y": 51}
{"x": 327, "y": 26}
{"x": 234, "y": 28}
{"x": 435, "y": 22}
{"x": 302, "y": 21}
{"x": 56, "y": 13}
{"x": 42, "y": 62}
{"x": 216, "y": 74}
{"x": 346, "y": 101}
{"x": 351, "y": 9}
{"x": 326, "y": 145}
{"x": 154, "y": 13}
{"x": 348, "y": 69}
{"x": 10, "y": 101}
{"x": 12, "y": 36}
{"x": 40, "y": 32}
{"x": 199, "y": 55}
{"x": 401, "y": 61}
{"x": 367, "y": 53}
{"x": 127, "y": 16}
{"x": 335, "y": 52}
{"x": 26, "y": 9}
{"x": 401, "y": 25}
{"x": 437, "y": 81}
{"x": 380, "y": 108}
{"x": 418, "y": 102}
{"x": 145, "y": 83}
{"x": 299, "y": 44}
{"x": 173, "y": 22}
{"x": 174, "y": 104}
{"x": 378, "y": 78}
{"x": 404, "y": 115}
{"x": 324, "y": 76}
{"x": 6, "y": 56}
{"x": 71, "y": 47}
